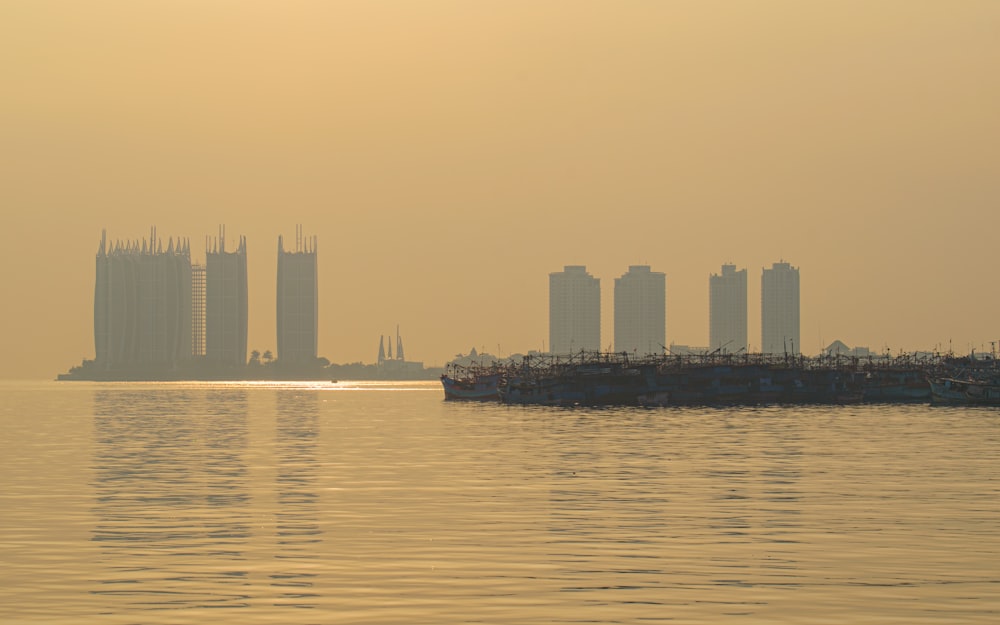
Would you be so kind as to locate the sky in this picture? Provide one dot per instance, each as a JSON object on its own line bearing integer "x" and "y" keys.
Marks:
{"x": 449, "y": 155}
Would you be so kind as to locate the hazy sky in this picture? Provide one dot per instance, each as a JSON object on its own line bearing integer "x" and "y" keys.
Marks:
{"x": 450, "y": 154}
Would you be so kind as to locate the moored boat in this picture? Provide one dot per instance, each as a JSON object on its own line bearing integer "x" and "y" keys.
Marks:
{"x": 608, "y": 378}
{"x": 984, "y": 392}
{"x": 894, "y": 382}
{"x": 477, "y": 388}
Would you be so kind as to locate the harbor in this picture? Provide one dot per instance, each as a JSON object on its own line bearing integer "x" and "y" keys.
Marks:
{"x": 609, "y": 378}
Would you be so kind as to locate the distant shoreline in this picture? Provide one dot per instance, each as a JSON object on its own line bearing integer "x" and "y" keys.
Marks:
{"x": 90, "y": 371}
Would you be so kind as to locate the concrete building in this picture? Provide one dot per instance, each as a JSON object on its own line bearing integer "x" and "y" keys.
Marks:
{"x": 197, "y": 310}
{"x": 574, "y": 311}
{"x": 779, "y": 310}
{"x": 298, "y": 302}
{"x": 226, "y": 303}
{"x": 641, "y": 311}
{"x": 727, "y": 306}
{"x": 142, "y": 304}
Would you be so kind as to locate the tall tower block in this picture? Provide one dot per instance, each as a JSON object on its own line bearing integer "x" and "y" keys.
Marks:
{"x": 641, "y": 311}
{"x": 297, "y": 301}
{"x": 226, "y": 303}
{"x": 574, "y": 311}
{"x": 142, "y": 303}
{"x": 727, "y": 304}
{"x": 779, "y": 310}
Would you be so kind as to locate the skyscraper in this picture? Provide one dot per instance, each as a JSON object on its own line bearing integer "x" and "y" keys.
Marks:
{"x": 727, "y": 304}
{"x": 641, "y": 311}
{"x": 574, "y": 311}
{"x": 197, "y": 310}
{"x": 142, "y": 303}
{"x": 779, "y": 310}
{"x": 298, "y": 301}
{"x": 226, "y": 303}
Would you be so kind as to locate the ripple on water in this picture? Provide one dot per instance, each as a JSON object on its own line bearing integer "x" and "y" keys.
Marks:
{"x": 380, "y": 503}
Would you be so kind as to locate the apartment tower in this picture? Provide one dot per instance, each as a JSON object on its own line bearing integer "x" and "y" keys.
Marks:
{"x": 779, "y": 310}
{"x": 641, "y": 311}
{"x": 574, "y": 311}
{"x": 727, "y": 306}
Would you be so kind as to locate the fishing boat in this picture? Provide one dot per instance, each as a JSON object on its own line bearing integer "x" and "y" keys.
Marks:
{"x": 582, "y": 385}
{"x": 601, "y": 378}
{"x": 895, "y": 385}
{"x": 475, "y": 388}
{"x": 956, "y": 391}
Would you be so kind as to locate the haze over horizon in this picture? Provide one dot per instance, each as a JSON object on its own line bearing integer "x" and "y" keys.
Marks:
{"x": 449, "y": 155}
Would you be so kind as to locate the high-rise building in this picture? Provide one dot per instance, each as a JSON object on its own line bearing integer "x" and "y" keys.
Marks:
{"x": 574, "y": 311}
{"x": 779, "y": 310}
{"x": 727, "y": 304}
{"x": 142, "y": 303}
{"x": 298, "y": 301}
{"x": 226, "y": 303}
{"x": 641, "y": 311}
{"x": 198, "y": 310}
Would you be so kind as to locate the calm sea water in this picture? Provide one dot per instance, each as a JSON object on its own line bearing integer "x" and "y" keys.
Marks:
{"x": 381, "y": 503}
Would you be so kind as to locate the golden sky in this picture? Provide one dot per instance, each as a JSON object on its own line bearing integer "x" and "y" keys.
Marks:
{"x": 450, "y": 154}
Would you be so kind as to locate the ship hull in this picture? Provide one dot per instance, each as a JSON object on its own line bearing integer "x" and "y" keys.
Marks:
{"x": 968, "y": 392}
{"x": 480, "y": 389}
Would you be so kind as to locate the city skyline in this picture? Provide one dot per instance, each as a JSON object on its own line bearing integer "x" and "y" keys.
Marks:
{"x": 219, "y": 310}
{"x": 858, "y": 139}
{"x": 574, "y": 304}
{"x": 156, "y": 309}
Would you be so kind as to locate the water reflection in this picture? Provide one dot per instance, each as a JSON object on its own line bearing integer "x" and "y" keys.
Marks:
{"x": 170, "y": 498}
{"x": 609, "y": 509}
{"x": 752, "y": 500}
{"x": 394, "y": 508}
{"x": 659, "y": 511}
{"x": 297, "y": 517}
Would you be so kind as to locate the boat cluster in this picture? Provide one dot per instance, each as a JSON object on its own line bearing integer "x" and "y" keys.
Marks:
{"x": 592, "y": 379}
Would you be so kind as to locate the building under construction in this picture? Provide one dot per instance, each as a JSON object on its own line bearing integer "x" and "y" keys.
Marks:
{"x": 226, "y": 302}
{"x": 158, "y": 316}
{"x": 298, "y": 302}
{"x": 142, "y": 303}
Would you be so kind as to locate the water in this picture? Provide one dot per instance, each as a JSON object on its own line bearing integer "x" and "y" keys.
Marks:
{"x": 380, "y": 503}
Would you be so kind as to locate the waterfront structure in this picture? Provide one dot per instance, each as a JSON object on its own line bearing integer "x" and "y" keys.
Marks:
{"x": 779, "y": 309}
{"x": 142, "y": 304}
{"x": 226, "y": 303}
{"x": 727, "y": 305}
{"x": 641, "y": 311}
{"x": 574, "y": 311}
{"x": 297, "y": 302}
